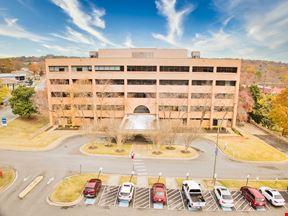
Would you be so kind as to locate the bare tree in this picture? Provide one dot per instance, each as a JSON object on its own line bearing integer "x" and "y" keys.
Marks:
{"x": 189, "y": 135}
{"x": 169, "y": 129}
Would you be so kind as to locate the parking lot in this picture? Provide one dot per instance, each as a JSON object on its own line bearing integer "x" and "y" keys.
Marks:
{"x": 107, "y": 197}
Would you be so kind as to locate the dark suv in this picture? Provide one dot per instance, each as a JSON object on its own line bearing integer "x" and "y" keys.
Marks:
{"x": 253, "y": 196}
{"x": 92, "y": 187}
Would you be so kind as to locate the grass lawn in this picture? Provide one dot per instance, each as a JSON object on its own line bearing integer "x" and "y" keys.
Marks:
{"x": 21, "y": 133}
{"x": 70, "y": 188}
{"x": 249, "y": 148}
{"x": 279, "y": 184}
{"x": 123, "y": 179}
{"x": 100, "y": 148}
{"x": 8, "y": 177}
{"x": 153, "y": 180}
{"x": 180, "y": 180}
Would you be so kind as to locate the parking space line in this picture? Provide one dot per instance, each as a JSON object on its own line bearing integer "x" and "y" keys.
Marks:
{"x": 211, "y": 203}
{"x": 175, "y": 199}
{"x": 141, "y": 198}
{"x": 109, "y": 196}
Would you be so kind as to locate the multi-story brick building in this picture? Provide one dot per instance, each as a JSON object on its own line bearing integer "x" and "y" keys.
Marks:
{"x": 164, "y": 82}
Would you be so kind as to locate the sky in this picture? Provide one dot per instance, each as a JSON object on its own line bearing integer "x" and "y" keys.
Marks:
{"x": 250, "y": 29}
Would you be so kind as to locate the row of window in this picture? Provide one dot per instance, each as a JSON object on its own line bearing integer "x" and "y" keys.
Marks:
{"x": 143, "y": 82}
{"x": 56, "y": 107}
{"x": 196, "y": 108}
{"x": 143, "y": 95}
{"x": 143, "y": 68}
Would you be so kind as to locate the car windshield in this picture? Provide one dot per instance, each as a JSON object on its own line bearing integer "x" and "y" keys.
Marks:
{"x": 278, "y": 196}
{"x": 160, "y": 193}
{"x": 89, "y": 189}
{"x": 227, "y": 197}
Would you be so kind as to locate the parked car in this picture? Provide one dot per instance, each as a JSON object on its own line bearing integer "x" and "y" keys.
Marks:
{"x": 158, "y": 194}
{"x": 273, "y": 196}
{"x": 193, "y": 194}
{"x": 253, "y": 196}
{"x": 224, "y": 196}
{"x": 92, "y": 188}
{"x": 126, "y": 192}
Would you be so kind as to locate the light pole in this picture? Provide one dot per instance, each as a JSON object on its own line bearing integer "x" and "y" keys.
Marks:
{"x": 100, "y": 171}
{"x": 215, "y": 178}
{"x": 132, "y": 173}
{"x": 187, "y": 175}
{"x": 159, "y": 175}
{"x": 247, "y": 179}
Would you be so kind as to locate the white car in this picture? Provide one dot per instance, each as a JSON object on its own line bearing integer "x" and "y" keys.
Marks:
{"x": 224, "y": 197}
{"x": 126, "y": 192}
{"x": 273, "y": 196}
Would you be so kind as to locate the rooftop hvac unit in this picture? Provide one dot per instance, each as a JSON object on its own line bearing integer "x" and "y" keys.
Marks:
{"x": 93, "y": 54}
{"x": 195, "y": 54}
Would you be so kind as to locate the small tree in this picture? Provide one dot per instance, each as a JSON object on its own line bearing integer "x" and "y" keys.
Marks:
{"x": 21, "y": 101}
{"x": 169, "y": 129}
{"x": 4, "y": 92}
{"x": 245, "y": 104}
{"x": 189, "y": 135}
{"x": 279, "y": 112}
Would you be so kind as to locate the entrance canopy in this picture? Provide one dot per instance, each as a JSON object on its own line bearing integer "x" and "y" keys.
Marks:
{"x": 139, "y": 122}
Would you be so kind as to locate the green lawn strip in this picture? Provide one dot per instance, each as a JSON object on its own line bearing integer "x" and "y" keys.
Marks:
{"x": 8, "y": 177}
{"x": 153, "y": 180}
{"x": 101, "y": 148}
{"x": 70, "y": 188}
{"x": 279, "y": 184}
{"x": 123, "y": 179}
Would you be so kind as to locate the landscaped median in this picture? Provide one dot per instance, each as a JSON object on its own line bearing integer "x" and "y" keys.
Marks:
{"x": 127, "y": 178}
{"x": 70, "y": 189}
{"x": 101, "y": 148}
{"x": 236, "y": 184}
{"x": 8, "y": 176}
{"x": 248, "y": 148}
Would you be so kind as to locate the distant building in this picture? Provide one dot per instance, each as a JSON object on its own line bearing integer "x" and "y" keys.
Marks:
{"x": 270, "y": 90}
{"x": 163, "y": 82}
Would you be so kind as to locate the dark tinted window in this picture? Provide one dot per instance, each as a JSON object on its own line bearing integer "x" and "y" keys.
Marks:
{"x": 202, "y": 82}
{"x": 202, "y": 69}
{"x": 174, "y": 82}
{"x": 141, "y": 68}
{"x": 225, "y": 83}
{"x": 174, "y": 68}
{"x": 141, "y": 82}
{"x": 226, "y": 69}
{"x": 109, "y": 82}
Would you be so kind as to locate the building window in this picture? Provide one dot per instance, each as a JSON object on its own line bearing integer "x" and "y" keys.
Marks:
{"x": 140, "y": 95}
{"x": 174, "y": 82}
{"x": 58, "y": 68}
{"x": 202, "y": 69}
{"x": 82, "y": 81}
{"x": 173, "y": 108}
{"x": 201, "y": 95}
{"x": 141, "y": 82}
{"x": 199, "y": 119}
{"x": 81, "y": 68}
{"x": 142, "y": 55}
{"x": 109, "y": 68}
{"x": 83, "y": 94}
{"x": 110, "y": 107}
{"x": 224, "y": 96}
{"x": 225, "y": 83}
{"x": 200, "y": 108}
{"x": 59, "y": 81}
{"x": 110, "y": 94}
{"x": 109, "y": 82}
{"x": 60, "y": 94}
{"x": 223, "y": 108}
{"x": 174, "y": 68}
{"x": 226, "y": 69}
{"x": 202, "y": 82}
{"x": 83, "y": 106}
{"x": 141, "y": 68}
{"x": 173, "y": 95}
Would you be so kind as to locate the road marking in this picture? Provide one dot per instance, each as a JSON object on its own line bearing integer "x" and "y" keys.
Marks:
{"x": 138, "y": 163}
{"x": 142, "y": 173}
{"x": 141, "y": 170}
{"x": 50, "y": 180}
{"x": 30, "y": 187}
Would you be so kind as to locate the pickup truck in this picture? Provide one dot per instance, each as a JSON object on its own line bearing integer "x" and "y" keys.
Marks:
{"x": 193, "y": 194}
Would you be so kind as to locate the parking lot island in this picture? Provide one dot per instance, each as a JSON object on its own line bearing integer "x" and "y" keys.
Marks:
{"x": 7, "y": 177}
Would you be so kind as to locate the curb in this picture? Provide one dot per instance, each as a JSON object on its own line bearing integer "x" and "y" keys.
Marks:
{"x": 63, "y": 204}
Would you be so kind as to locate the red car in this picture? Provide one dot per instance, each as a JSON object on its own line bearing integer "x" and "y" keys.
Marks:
{"x": 92, "y": 187}
{"x": 159, "y": 193}
{"x": 253, "y": 196}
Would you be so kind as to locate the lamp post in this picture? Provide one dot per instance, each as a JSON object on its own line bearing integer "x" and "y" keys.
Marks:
{"x": 159, "y": 176}
{"x": 99, "y": 172}
{"x": 215, "y": 177}
{"x": 247, "y": 179}
{"x": 187, "y": 175}
{"x": 132, "y": 173}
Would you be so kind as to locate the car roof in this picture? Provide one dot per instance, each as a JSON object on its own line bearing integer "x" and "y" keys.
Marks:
{"x": 159, "y": 184}
{"x": 90, "y": 184}
{"x": 126, "y": 187}
{"x": 255, "y": 192}
{"x": 224, "y": 190}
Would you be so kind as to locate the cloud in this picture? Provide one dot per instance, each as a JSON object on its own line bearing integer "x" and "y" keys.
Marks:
{"x": 167, "y": 8}
{"x": 10, "y": 28}
{"x": 83, "y": 20}
{"x": 128, "y": 42}
{"x": 74, "y": 36}
{"x": 64, "y": 50}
